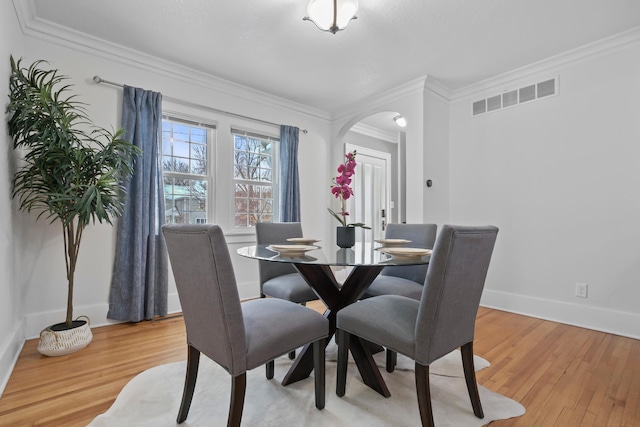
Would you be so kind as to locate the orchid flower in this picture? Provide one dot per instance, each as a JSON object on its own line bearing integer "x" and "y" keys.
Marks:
{"x": 341, "y": 189}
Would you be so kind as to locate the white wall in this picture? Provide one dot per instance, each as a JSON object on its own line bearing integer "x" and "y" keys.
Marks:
{"x": 44, "y": 287}
{"x": 436, "y": 157}
{"x": 11, "y": 331}
{"x": 561, "y": 177}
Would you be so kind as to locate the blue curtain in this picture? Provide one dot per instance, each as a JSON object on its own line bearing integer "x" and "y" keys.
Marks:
{"x": 289, "y": 180}
{"x": 140, "y": 273}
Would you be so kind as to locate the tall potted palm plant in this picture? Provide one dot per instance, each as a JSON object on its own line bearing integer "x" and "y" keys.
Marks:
{"x": 71, "y": 172}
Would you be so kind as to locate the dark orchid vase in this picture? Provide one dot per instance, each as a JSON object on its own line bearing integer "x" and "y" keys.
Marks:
{"x": 346, "y": 237}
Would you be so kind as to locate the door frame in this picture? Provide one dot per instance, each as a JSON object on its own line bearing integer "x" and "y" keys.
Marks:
{"x": 384, "y": 156}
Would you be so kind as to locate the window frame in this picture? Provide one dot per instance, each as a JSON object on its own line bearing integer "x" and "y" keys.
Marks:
{"x": 211, "y": 128}
{"x": 275, "y": 171}
{"x": 220, "y": 158}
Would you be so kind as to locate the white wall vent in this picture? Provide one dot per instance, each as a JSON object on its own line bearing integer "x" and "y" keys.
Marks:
{"x": 515, "y": 97}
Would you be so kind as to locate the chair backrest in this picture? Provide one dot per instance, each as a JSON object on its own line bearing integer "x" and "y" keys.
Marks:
{"x": 454, "y": 284}
{"x": 208, "y": 293}
{"x": 421, "y": 236}
{"x": 272, "y": 233}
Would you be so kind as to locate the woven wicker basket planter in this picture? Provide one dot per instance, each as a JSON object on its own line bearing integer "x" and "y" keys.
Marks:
{"x": 58, "y": 341}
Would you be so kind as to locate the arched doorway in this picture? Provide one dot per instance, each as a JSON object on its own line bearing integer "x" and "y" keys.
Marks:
{"x": 379, "y": 180}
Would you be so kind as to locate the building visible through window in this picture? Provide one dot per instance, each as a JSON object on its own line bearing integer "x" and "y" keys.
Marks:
{"x": 185, "y": 171}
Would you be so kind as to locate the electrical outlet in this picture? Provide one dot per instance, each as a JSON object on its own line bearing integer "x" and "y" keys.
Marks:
{"x": 581, "y": 290}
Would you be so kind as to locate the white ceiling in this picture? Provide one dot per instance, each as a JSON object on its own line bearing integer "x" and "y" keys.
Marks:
{"x": 265, "y": 44}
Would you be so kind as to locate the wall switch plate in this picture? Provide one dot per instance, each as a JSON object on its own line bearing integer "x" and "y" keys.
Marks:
{"x": 581, "y": 290}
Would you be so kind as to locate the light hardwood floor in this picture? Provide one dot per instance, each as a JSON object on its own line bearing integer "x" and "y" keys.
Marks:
{"x": 563, "y": 375}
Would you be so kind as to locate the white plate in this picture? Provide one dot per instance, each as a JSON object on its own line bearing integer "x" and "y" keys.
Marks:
{"x": 302, "y": 240}
{"x": 407, "y": 252}
{"x": 392, "y": 242}
{"x": 291, "y": 249}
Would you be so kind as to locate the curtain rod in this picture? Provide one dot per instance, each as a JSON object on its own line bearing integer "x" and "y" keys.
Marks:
{"x": 99, "y": 79}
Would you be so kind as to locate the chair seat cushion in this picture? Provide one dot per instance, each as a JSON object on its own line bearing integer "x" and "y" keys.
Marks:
{"x": 392, "y": 285}
{"x": 290, "y": 287}
{"x": 387, "y": 320}
{"x": 275, "y": 327}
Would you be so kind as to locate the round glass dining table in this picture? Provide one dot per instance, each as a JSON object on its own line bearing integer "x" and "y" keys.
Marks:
{"x": 362, "y": 254}
{"x": 314, "y": 265}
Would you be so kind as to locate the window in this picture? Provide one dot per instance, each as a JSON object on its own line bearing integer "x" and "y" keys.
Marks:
{"x": 246, "y": 190}
{"x": 186, "y": 175}
{"x": 254, "y": 175}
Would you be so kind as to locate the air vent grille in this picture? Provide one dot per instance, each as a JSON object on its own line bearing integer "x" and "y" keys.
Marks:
{"x": 527, "y": 93}
{"x": 509, "y": 98}
{"x": 480, "y": 107}
{"x": 494, "y": 103}
{"x": 547, "y": 88}
{"x": 515, "y": 97}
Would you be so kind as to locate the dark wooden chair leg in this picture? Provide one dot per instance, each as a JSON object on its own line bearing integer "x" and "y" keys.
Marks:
{"x": 470, "y": 377}
{"x": 343, "y": 358}
{"x": 238, "y": 387}
{"x": 270, "y": 369}
{"x": 319, "y": 371}
{"x": 193, "y": 361}
{"x": 424, "y": 395}
{"x": 392, "y": 360}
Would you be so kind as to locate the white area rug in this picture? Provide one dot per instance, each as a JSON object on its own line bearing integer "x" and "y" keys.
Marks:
{"x": 152, "y": 398}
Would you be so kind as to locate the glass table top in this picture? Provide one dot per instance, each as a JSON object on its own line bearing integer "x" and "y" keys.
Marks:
{"x": 362, "y": 254}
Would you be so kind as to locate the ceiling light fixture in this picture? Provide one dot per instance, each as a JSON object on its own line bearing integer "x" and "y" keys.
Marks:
{"x": 331, "y": 15}
{"x": 400, "y": 121}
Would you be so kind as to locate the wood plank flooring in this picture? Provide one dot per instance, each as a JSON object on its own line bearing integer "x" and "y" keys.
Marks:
{"x": 563, "y": 375}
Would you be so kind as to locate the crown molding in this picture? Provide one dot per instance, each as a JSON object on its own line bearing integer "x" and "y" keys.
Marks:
{"x": 415, "y": 86}
{"x": 32, "y": 26}
{"x": 436, "y": 87}
{"x": 376, "y": 133}
{"x": 590, "y": 51}
{"x": 25, "y": 11}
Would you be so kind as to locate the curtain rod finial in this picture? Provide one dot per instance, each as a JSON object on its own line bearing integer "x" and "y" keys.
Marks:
{"x": 97, "y": 79}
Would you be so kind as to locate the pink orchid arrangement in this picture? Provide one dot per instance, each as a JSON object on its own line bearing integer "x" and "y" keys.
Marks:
{"x": 341, "y": 189}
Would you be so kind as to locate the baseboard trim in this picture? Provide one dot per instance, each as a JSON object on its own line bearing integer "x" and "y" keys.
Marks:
{"x": 9, "y": 354}
{"x": 584, "y": 316}
{"x": 97, "y": 313}
{"x": 248, "y": 290}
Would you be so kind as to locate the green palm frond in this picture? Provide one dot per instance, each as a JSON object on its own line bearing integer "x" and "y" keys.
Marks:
{"x": 72, "y": 171}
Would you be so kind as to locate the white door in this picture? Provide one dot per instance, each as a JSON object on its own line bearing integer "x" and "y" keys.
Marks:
{"x": 372, "y": 188}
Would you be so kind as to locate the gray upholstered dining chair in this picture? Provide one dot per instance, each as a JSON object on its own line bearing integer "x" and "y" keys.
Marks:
{"x": 281, "y": 280}
{"x": 239, "y": 337}
{"x": 443, "y": 319}
{"x": 407, "y": 281}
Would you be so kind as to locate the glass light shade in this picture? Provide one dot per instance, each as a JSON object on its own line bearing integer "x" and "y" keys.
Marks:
{"x": 400, "y": 121}
{"x": 321, "y": 13}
